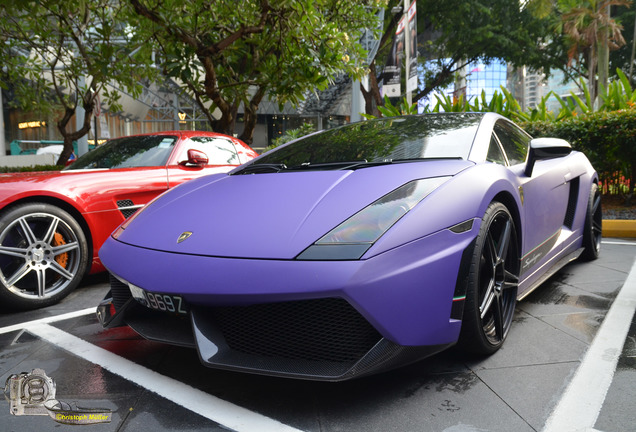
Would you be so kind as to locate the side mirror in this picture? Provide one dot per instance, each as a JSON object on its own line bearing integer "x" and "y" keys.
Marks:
{"x": 544, "y": 149}
{"x": 196, "y": 158}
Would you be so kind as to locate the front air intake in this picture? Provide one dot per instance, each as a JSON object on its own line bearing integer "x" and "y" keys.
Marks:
{"x": 318, "y": 330}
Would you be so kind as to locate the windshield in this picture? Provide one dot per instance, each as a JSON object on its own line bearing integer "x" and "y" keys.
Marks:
{"x": 383, "y": 140}
{"x": 128, "y": 152}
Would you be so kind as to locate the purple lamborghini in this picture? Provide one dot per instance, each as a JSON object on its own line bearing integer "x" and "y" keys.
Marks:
{"x": 357, "y": 249}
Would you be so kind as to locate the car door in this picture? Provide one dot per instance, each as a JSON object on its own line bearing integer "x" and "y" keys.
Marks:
{"x": 544, "y": 196}
{"x": 221, "y": 153}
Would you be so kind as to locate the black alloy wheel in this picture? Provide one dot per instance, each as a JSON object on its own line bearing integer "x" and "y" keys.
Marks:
{"x": 593, "y": 228}
{"x": 491, "y": 293}
{"x": 43, "y": 255}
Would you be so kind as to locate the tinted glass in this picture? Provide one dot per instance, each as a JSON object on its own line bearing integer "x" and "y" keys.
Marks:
{"x": 218, "y": 150}
{"x": 494, "y": 152}
{"x": 514, "y": 141}
{"x": 386, "y": 139}
{"x": 128, "y": 152}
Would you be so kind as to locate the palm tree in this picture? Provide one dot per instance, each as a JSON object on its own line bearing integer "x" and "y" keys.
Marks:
{"x": 588, "y": 26}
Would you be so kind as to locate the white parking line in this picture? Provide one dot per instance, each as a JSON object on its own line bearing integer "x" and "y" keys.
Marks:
{"x": 204, "y": 404}
{"x": 51, "y": 319}
{"x": 583, "y": 399}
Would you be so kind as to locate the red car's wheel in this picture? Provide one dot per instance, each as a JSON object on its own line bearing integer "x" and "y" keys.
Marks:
{"x": 493, "y": 280}
{"x": 43, "y": 255}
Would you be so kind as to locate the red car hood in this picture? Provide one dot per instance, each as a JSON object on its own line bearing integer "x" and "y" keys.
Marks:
{"x": 71, "y": 186}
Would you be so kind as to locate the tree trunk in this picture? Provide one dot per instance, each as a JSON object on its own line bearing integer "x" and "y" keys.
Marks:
{"x": 591, "y": 76}
{"x": 69, "y": 137}
{"x": 372, "y": 97}
{"x": 250, "y": 116}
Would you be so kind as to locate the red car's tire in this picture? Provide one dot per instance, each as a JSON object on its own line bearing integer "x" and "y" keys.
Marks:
{"x": 43, "y": 255}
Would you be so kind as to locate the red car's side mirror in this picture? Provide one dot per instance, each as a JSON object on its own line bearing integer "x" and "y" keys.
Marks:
{"x": 196, "y": 158}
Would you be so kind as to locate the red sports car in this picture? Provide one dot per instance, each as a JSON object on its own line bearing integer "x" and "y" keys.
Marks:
{"x": 52, "y": 224}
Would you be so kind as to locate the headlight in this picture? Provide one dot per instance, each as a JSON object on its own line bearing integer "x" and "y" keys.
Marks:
{"x": 352, "y": 238}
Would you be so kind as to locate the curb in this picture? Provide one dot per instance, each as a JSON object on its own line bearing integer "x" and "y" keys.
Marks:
{"x": 619, "y": 228}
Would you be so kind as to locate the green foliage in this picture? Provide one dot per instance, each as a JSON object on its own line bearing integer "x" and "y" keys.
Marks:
{"x": 608, "y": 138}
{"x": 292, "y": 134}
{"x": 463, "y": 31}
{"x": 390, "y": 110}
{"x": 58, "y": 56}
{"x": 31, "y": 168}
{"x": 227, "y": 53}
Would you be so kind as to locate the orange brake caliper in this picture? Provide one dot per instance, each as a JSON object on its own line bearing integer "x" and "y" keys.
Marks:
{"x": 62, "y": 259}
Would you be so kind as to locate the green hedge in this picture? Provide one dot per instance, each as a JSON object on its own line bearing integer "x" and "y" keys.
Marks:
{"x": 607, "y": 138}
{"x": 31, "y": 168}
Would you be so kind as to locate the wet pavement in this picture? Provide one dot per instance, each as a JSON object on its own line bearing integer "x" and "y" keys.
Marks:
{"x": 152, "y": 386}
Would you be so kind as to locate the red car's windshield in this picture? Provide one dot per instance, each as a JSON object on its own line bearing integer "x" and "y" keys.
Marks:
{"x": 128, "y": 152}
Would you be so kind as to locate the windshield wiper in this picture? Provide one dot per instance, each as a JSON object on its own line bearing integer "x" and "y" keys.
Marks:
{"x": 260, "y": 168}
{"x": 394, "y": 161}
{"x": 323, "y": 165}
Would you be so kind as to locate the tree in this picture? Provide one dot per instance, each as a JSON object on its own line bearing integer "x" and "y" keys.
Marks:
{"x": 457, "y": 32}
{"x": 589, "y": 28}
{"x": 225, "y": 53}
{"x": 64, "y": 54}
{"x": 622, "y": 57}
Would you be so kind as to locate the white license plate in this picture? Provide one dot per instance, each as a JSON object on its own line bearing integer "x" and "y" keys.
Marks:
{"x": 158, "y": 301}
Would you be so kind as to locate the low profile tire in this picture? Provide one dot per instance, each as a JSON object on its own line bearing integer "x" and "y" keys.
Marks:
{"x": 593, "y": 228}
{"x": 43, "y": 256}
{"x": 491, "y": 294}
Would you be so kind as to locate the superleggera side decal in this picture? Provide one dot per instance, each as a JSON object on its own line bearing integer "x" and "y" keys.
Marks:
{"x": 530, "y": 259}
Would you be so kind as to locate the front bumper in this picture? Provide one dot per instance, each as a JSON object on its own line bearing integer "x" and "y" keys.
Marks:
{"x": 316, "y": 320}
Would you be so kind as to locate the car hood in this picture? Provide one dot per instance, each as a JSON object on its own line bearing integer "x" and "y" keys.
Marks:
{"x": 267, "y": 216}
{"x": 12, "y": 183}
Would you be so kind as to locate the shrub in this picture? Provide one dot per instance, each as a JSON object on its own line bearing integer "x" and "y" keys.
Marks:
{"x": 608, "y": 138}
{"x": 31, "y": 168}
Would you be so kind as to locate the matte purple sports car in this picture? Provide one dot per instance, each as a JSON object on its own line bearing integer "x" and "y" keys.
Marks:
{"x": 356, "y": 249}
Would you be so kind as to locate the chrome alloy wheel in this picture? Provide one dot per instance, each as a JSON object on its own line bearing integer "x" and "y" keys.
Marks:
{"x": 40, "y": 256}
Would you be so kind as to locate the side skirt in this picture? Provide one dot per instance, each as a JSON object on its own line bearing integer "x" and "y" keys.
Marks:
{"x": 549, "y": 273}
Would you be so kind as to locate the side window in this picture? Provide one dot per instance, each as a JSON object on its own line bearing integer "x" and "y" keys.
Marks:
{"x": 219, "y": 151}
{"x": 495, "y": 154}
{"x": 514, "y": 141}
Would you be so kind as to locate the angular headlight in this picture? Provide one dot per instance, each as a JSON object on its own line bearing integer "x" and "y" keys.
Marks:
{"x": 352, "y": 238}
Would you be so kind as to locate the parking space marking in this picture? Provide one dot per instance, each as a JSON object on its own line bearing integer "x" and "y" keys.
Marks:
{"x": 616, "y": 242}
{"x": 47, "y": 320}
{"x": 583, "y": 399}
{"x": 204, "y": 404}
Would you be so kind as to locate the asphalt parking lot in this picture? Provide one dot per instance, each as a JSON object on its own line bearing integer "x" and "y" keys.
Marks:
{"x": 569, "y": 363}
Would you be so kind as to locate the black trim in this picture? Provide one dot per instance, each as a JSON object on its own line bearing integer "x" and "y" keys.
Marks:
{"x": 459, "y": 295}
{"x": 572, "y": 201}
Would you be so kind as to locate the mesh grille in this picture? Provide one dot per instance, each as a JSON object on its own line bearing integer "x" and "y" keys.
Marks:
{"x": 319, "y": 330}
{"x": 126, "y": 212}
{"x": 119, "y": 291}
